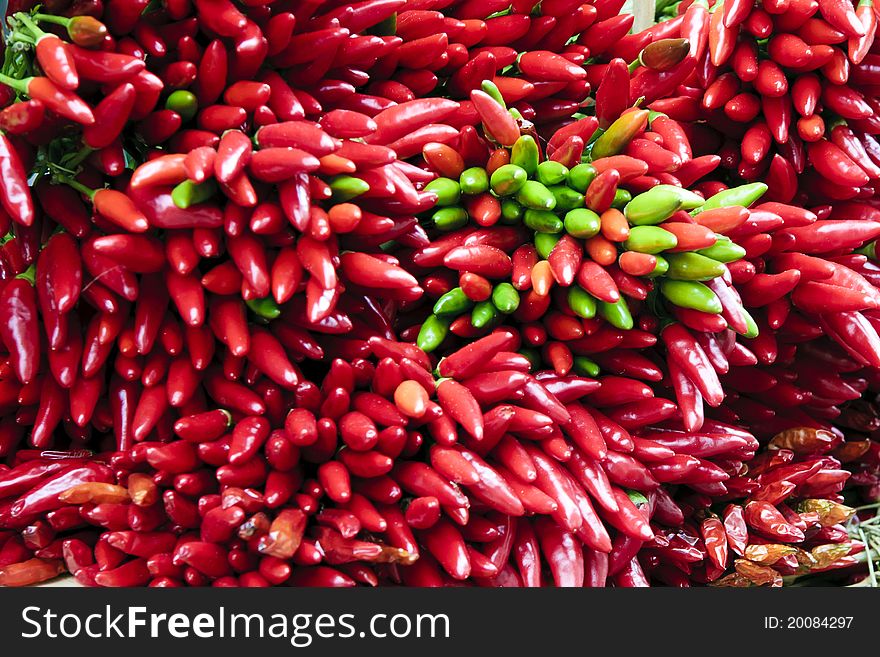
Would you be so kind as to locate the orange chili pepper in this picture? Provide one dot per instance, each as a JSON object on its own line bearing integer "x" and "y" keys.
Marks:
{"x": 637, "y": 264}
{"x": 499, "y": 157}
{"x": 542, "y": 278}
{"x": 601, "y": 250}
{"x": 96, "y": 492}
{"x": 615, "y": 227}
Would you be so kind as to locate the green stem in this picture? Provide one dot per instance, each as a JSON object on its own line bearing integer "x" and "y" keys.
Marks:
{"x": 79, "y": 158}
{"x": 871, "y": 573}
{"x": 20, "y": 86}
{"x": 633, "y": 65}
{"x": 78, "y": 186}
{"x": 29, "y": 274}
{"x": 49, "y": 18}
{"x": 30, "y": 25}
{"x": 21, "y": 37}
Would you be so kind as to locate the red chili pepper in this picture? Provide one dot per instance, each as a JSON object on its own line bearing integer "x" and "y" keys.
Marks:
{"x": 694, "y": 363}
{"x": 56, "y": 62}
{"x": 841, "y": 15}
{"x": 120, "y": 209}
{"x": 551, "y": 481}
{"x": 601, "y": 36}
{"x": 62, "y": 102}
{"x": 546, "y": 66}
{"x": 111, "y": 115}
{"x": 14, "y": 192}
{"x": 853, "y": 332}
{"x": 763, "y": 517}
{"x": 233, "y": 154}
{"x": 846, "y": 102}
{"x": 22, "y": 117}
{"x": 857, "y": 48}
{"x": 19, "y": 327}
{"x": 695, "y": 28}
{"x": 629, "y": 519}
{"x": 421, "y": 479}
{"x": 161, "y": 211}
{"x": 44, "y": 496}
{"x": 61, "y": 272}
{"x": 498, "y": 122}
{"x": 399, "y": 120}
{"x": 562, "y": 553}
{"x": 722, "y": 38}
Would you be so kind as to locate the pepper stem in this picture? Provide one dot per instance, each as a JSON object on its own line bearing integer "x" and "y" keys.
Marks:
{"x": 30, "y": 25}
{"x": 78, "y": 186}
{"x": 78, "y": 158}
{"x": 29, "y": 274}
{"x": 634, "y": 64}
{"x": 20, "y": 86}
{"x": 49, "y": 18}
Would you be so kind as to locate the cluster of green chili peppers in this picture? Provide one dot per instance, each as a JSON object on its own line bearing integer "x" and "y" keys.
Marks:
{"x": 551, "y": 199}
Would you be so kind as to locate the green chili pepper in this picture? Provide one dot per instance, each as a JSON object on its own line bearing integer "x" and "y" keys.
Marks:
{"x": 744, "y": 195}
{"x": 453, "y": 302}
{"x": 617, "y": 314}
{"x": 724, "y": 250}
{"x": 189, "y": 193}
{"x": 660, "y": 268}
{"x": 184, "y": 103}
{"x": 447, "y": 190}
{"x": 542, "y": 221}
{"x": 483, "y": 314}
{"x": 536, "y": 196}
{"x": 344, "y": 188}
{"x": 621, "y": 198}
{"x": 580, "y": 177}
{"x": 752, "y": 330}
{"x": 581, "y": 302}
{"x": 653, "y": 115}
{"x": 693, "y": 267}
{"x": 552, "y": 173}
{"x": 387, "y": 27}
{"x": 583, "y": 366}
{"x": 689, "y": 200}
{"x": 492, "y": 89}
{"x": 582, "y": 223}
{"x": 450, "y": 218}
{"x": 511, "y": 211}
{"x": 691, "y": 294}
{"x": 652, "y": 207}
{"x": 869, "y": 250}
{"x": 649, "y": 239}
{"x": 474, "y": 181}
{"x": 566, "y": 198}
{"x": 506, "y": 298}
{"x": 265, "y": 307}
{"x": 619, "y": 134}
{"x": 433, "y": 332}
{"x": 544, "y": 243}
{"x": 508, "y": 179}
{"x": 525, "y": 154}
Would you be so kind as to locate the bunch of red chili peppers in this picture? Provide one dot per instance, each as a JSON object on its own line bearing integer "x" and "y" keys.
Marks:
{"x": 331, "y": 294}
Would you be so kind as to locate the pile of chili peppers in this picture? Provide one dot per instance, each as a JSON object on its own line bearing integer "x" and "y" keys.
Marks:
{"x": 425, "y": 292}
